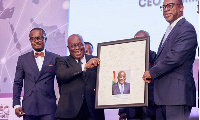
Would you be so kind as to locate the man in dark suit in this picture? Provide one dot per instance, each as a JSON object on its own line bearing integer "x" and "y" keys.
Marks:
{"x": 36, "y": 72}
{"x": 121, "y": 87}
{"x": 142, "y": 113}
{"x": 77, "y": 75}
{"x": 174, "y": 87}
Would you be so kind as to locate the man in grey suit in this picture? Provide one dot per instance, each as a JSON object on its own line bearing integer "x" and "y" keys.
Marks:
{"x": 174, "y": 87}
{"x": 36, "y": 72}
{"x": 121, "y": 87}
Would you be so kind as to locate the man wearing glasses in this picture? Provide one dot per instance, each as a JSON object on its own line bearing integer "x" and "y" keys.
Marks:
{"x": 174, "y": 87}
{"x": 36, "y": 72}
{"x": 77, "y": 74}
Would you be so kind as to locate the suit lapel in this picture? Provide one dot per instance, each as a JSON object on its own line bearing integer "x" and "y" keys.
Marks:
{"x": 176, "y": 27}
{"x": 162, "y": 46}
{"x": 47, "y": 59}
{"x": 71, "y": 60}
{"x": 31, "y": 61}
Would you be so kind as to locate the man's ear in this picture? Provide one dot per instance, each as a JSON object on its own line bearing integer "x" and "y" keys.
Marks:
{"x": 182, "y": 7}
{"x": 45, "y": 39}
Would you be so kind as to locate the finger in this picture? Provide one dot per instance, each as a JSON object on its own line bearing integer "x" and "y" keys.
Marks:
{"x": 148, "y": 81}
{"x": 148, "y": 78}
{"x": 22, "y": 112}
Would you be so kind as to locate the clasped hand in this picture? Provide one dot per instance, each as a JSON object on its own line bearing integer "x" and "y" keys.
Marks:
{"x": 19, "y": 112}
{"x": 147, "y": 77}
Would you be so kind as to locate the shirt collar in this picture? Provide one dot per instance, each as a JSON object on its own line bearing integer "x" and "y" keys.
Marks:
{"x": 120, "y": 84}
{"x": 174, "y": 23}
{"x": 82, "y": 59}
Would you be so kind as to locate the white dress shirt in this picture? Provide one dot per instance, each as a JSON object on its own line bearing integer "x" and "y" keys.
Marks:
{"x": 39, "y": 60}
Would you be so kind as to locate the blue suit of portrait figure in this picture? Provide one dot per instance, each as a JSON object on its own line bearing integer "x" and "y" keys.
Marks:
{"x": 39, "y": 97}
{"x": 116, "y": 90}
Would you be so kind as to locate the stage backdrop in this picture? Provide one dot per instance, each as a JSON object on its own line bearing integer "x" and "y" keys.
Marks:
{"x": 17, "y": 18}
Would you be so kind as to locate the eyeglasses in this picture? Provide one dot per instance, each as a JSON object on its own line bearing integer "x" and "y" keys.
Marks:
{"x": 74, "y": 45}
{"x": 121, "y": 77}
{"x": 168, "y": 6}
{"x": 40, "y": 39}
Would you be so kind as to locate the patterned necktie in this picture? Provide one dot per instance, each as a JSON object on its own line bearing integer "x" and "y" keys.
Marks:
{"x": 122, "y": 89}
{"x": 39, "y": 54}
{"x": 166, "y": 33}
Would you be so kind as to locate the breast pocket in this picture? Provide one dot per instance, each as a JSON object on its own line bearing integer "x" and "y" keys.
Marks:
{"x": 51, "y": 69}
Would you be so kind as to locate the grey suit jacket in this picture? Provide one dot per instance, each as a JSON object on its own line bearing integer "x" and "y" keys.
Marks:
{"x": 116, "y": 90}
{"x": 172, "y": 71}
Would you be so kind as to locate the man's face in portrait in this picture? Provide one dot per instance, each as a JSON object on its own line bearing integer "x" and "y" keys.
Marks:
{"x": 121, "y": 77}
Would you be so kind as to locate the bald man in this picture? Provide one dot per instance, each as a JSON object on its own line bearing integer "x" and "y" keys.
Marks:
{"x": 121, "y": 87}
{"x": 77, "y": 75}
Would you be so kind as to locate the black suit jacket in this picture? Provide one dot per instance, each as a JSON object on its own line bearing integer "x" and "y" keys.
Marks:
{"x": 75, "y": 86}
{"x": 172, "y": 72}
{"x": 39, "y": 96}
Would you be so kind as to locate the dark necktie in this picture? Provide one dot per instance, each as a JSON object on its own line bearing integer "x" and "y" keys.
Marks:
{"x": 39, "y": 54}
{"x": 79, "y": 62}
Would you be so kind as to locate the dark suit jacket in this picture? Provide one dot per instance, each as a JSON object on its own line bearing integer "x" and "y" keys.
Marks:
{"x": 116, "y": 90}
{"x": 39, "y": 96}
{"x": 172, "y": 72}
{"x": 75, "y": 86}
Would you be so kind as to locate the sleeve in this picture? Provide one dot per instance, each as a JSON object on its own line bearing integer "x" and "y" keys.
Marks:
{"x": 18, "y": 83}
{"x": 65, "y": 72}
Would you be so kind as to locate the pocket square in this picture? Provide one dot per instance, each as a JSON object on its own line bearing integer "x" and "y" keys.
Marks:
{"x": 51, "y": 64}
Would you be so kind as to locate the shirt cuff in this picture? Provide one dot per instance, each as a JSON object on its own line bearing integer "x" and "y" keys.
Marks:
{"x": 16, "y": 106}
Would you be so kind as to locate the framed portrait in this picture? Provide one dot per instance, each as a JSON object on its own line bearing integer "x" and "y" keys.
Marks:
{"x": 119, "y": 74}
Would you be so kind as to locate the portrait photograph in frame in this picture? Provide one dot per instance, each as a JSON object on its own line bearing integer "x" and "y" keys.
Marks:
{"x": 119, "y": 74}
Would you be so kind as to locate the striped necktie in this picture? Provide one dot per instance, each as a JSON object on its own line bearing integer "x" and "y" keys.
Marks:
{"x": 122, "y": 89}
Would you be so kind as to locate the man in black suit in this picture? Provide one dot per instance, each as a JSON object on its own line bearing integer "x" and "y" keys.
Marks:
{"x": 77, "y": 75}
{"x": 174, "y": 86}
{"x": 142, "y": 113}
{"x": 36, "y": 72}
